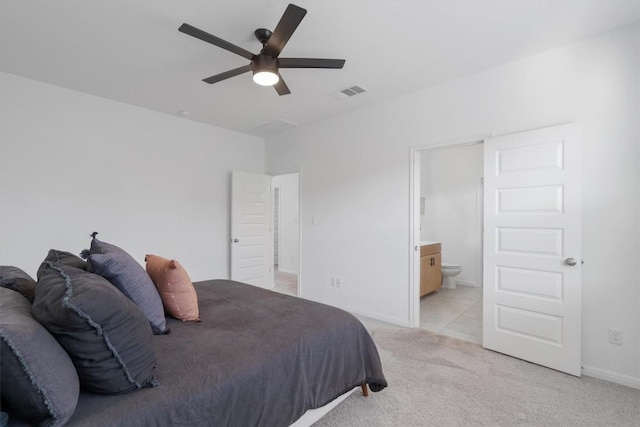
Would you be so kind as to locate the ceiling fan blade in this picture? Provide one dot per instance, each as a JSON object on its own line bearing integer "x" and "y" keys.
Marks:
{"x": 310, "y": 63}
{"x": 281, "y": 87}
{"x": 288, "y": 23}
{"x": 216, "y": 41}
{"x": 227, "y": 74}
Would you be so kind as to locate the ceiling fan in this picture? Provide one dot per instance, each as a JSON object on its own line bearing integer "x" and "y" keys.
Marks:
{"x": 266, "y": 64}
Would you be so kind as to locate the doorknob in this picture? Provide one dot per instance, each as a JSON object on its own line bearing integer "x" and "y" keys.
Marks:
{"x": 235, "y": 240}
{"x": 570, "y": 262}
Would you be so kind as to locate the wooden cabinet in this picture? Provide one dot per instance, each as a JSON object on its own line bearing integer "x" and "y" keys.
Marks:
{"x": 430, "y": 268}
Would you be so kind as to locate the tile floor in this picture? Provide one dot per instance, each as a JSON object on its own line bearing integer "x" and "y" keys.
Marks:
{"x": 453, "y": 312}
{"x": 286, "y": 283}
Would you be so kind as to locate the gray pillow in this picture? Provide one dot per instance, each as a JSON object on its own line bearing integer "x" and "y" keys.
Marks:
{"x": 39, "y": 383}
{"x": 107, "y": 337}
{"x": 64, "y": 258}
{"x": 17, "y": 280}
{"x": 124, "y": 272}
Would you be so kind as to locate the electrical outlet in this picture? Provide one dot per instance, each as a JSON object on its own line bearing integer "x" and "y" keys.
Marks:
{"x": 335, "y": 282}
{"x": 615, "y": 336}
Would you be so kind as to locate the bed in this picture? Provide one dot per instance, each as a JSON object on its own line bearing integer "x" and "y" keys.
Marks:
{"x": 257, "y": 358}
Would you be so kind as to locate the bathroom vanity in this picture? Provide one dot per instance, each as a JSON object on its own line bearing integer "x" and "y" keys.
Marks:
{"x": 430, "y": 267}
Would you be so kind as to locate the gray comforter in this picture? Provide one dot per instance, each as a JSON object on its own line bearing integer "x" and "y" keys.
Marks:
{"x": 258, "y": 358}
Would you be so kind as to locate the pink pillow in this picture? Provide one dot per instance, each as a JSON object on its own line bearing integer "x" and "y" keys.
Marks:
{"x": 174, "y": 286}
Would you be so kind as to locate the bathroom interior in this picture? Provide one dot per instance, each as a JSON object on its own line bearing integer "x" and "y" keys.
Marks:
{"x": 451, "y": 217}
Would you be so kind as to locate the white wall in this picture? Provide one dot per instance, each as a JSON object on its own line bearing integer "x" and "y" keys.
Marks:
{"x": 453, "y": 206}
{"x": 355, "y": 182}
{"x": 72, "y": 163}
{"x": 289, "y": 242}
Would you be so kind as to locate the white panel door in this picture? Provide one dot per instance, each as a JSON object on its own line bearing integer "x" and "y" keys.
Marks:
{"x": 251, "y": 248}
{"x": 532, "y": 247}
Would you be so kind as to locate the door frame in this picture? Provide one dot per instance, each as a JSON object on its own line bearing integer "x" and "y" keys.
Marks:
{"x": 297, "y": 171}
{"x": 415, "y": 153}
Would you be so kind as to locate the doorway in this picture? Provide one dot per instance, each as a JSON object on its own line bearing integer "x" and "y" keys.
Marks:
{"x": 286, "y": 233}
{"x": 531, "y": 291}
{"x": 451, "y": 196}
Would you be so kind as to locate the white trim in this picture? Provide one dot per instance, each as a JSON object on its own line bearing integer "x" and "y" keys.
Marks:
{"x": 467, "y": 283}
{"x": 455, "y": 142}
{"x": 299, "y": 288}
{"x": 480, "y": 225}
{"x": 414, "y": 238}
{"x": 285, "y": 270}
{"x": 614, "y": 377}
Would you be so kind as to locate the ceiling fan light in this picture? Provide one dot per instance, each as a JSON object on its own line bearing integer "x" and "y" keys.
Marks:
{"x": 265, "y": 77}
{"x": 265, "y": 70}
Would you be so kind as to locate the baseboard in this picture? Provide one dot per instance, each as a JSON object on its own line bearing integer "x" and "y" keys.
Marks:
{"x": 370, "y": 314}
{"x": 614, "y": 377}
{"x": 286, "y": 270}
{"x": 467, "y": 283}
{"x": 387, "y": 319}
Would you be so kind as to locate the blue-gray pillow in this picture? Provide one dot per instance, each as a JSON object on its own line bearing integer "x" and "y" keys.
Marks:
{"x": 39, "y": 384}
{"x": 17, "y": 280}
{"x": 126, "y": 274}
{"x": 107, "y": 337}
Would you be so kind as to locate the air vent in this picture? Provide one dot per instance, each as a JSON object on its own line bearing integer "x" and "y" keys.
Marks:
{"x": 349, "y": 92}
{"x": 277, "y": 126}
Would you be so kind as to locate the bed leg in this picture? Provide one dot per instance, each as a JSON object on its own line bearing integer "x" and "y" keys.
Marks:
{"x": 365, "y": 391}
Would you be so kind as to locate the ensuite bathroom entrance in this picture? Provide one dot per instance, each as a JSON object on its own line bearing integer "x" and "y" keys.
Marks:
{"x": 523, "y": 222}
{"x": 451, "y": 195}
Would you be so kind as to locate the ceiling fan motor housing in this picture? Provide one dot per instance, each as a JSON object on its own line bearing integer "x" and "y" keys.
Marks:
{"x": 264, "y": 63}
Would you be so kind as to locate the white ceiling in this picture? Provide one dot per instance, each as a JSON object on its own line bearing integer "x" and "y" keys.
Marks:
{"x": 131, "y": 50}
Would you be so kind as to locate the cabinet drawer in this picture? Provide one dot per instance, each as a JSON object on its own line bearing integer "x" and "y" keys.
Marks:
{"x": 429, "y": 249}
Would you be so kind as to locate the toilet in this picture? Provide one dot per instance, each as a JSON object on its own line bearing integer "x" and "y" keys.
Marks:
{"x": 449, "y": 273}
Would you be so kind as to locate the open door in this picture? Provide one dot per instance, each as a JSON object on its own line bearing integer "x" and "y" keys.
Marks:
{"x": 251, "y": 247}
{"x": 532, "y": 247}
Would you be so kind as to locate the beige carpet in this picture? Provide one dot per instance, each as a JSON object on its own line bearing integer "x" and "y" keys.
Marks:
{"x": 441, "y": 381}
